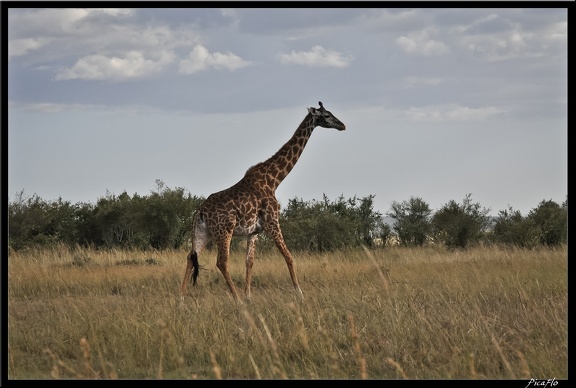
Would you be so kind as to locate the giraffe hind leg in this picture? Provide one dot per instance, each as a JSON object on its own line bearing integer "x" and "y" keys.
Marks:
{"x": 222, "y": 263}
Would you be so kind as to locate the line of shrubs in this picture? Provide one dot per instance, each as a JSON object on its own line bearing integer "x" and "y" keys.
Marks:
{"x": 163, "y": 218}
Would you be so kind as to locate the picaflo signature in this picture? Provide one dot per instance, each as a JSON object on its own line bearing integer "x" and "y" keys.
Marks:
{"x": 542, "y": 383}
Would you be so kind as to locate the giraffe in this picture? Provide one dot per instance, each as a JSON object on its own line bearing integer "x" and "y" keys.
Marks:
{"x": 250, "y": 207}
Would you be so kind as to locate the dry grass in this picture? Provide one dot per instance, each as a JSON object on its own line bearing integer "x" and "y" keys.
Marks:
{"x": 485, "y": 313}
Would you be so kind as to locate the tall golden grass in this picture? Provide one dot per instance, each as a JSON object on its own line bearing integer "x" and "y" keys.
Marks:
{"x": 394, "y": 313}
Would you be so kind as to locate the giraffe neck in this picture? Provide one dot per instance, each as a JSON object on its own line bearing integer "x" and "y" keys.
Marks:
{"x": 278, "y": 166}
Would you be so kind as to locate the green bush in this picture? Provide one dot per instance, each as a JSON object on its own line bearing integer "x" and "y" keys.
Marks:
{"x": 461, "y": 225}
{"x": 413, "y": 224}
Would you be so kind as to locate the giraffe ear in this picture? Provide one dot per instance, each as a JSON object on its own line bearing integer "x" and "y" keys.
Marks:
{"x": 313, "y": 111}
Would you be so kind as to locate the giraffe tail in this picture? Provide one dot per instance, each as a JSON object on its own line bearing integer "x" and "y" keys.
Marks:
{"x": 195, "y": 267}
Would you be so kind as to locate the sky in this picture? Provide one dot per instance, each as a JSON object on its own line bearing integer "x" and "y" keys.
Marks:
{"x": 438, "y": 102}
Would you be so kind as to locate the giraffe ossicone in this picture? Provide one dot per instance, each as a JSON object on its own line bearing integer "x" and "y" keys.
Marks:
{"x": 250, "y": 207}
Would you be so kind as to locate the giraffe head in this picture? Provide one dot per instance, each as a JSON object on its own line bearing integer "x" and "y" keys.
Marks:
{"x": 326, "y": 119}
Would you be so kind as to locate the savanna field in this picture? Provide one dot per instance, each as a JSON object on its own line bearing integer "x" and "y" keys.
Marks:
{"x": 391, "y": 313}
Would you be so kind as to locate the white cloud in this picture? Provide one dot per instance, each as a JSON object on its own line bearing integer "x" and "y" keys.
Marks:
{"x": 201, "y": 59}
{"x": 104, "y": 43}
{"x": 17, "y": 47}
{"x": 451, "y": 112}
{"x": 100, "y": 67}
{"x": 318, "y": 56}
{"x": 384, "y": 19}
{"x": 516, "y": 42}
{"x": 498, "y": 47}
{"x": 463, "y": 113}
{"x": 420, "y": 42}
{"x": 51, "y": 107}
{"x": 58, "y": 21}
{"x": 482, "y": 20}
{"x": 557, "y": 31}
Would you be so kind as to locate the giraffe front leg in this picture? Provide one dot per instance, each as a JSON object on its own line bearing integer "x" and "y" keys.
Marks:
{"x": 250, "y": 249}
{"x": 281, "y": 245}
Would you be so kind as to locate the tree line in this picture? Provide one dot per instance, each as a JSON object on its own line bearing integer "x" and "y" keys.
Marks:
{"x": 459, "y": 225}
{"x": 163, "y": 219}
